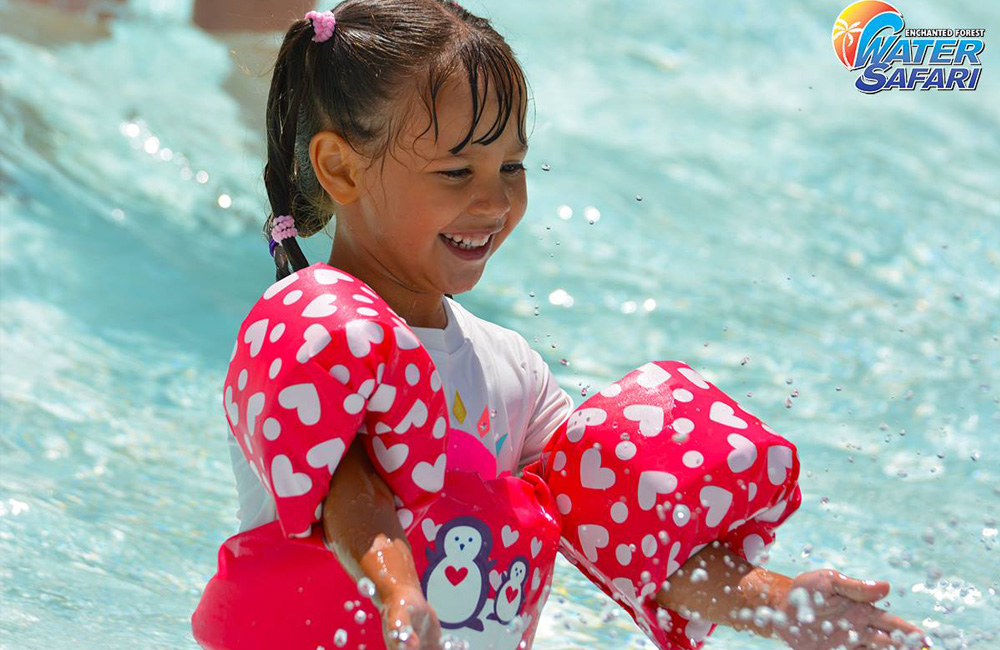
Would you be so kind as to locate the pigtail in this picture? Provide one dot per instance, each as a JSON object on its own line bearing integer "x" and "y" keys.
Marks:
{"x": 289, "y": 86}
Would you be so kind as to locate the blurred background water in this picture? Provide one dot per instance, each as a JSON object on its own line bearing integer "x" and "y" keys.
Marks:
{"x": 705, "y": 184}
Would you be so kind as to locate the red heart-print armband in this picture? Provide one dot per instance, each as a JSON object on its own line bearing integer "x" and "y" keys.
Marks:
{"x": 651, "y": 469}
{"x": 319, "y": 357}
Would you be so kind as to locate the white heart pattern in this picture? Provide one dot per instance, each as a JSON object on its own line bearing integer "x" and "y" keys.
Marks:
{"x": 651, "y": 375}
{"x": 320, "y": 307}
{"x": 429, "y": 477}
{"x": 390, "y": 458}
{"x": 743, "y": 455}
{"x": 361, "y": 334}
{"x": 405, "y": 517}
{"x": 581, "y": 419}
{"x": 592, "y": 538}
{"x": 693, "y": 377}
{"x": 649, "y": 417}
{"x": 405, "y": 339}
{"x": 653, "y": 483}
{"x": 255, "y": 336}
{"x": 779, "y": 460}
{"x": 672, "y": 563}
{"x": 232, "y": 408}
{"x": 254, "y": 407}
{"x": 724, "y": 414}
{"x": 416, "y": 416}
{"x": 536, "y": 547}
{"x": 430, "y": 529}
{"x": 383, "y": 399}
{"x": 717, "y": 500}
{"x": 753, "y": 546}
{"x": 304, "y": 399}
{"x": 315, "y": 339}
{"x": 286, "y": 481}
{"x": 592, "y": 475}
{"x": 327, "y": 454}
{"x": 611, "y": 390}
{"x": 280, "y": 286}
{"x": 508, "y": 535}
{"x": 495, "y": 579}
{"x": 330, "y": 276}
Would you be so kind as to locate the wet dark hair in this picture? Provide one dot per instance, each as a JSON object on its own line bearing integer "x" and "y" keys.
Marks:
{"x": 355, "y": 84}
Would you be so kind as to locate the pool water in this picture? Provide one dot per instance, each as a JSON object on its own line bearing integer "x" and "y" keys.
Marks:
{"x": 705, "y": 184}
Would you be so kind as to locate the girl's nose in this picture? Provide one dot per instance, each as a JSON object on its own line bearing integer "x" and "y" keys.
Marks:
{"x": 492, "y": 198}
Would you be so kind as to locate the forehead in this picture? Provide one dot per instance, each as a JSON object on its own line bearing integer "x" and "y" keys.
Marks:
{"x": 455, "y": 114}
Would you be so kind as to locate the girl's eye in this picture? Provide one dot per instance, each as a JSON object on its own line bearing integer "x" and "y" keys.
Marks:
{"x": 510, "y": 168}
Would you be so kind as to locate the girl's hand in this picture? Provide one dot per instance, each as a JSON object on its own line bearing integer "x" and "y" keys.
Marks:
{"x": 825, "y": 610}
{"x": 409, "y": 621}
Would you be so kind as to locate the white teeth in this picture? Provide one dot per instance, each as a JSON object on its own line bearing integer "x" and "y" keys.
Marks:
{"x": 466, "y": 243}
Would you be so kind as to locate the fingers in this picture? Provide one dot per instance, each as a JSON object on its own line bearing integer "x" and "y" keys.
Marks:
{"x": 877, "y": 639}
{"x": 883, "y": 620}
{"x": 864, "y": 591}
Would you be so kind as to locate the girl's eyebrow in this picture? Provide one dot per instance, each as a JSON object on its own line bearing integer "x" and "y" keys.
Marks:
{"x": 519, "y": 149}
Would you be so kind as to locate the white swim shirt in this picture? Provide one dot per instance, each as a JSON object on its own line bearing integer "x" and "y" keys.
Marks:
{"x": 497, "y": 387}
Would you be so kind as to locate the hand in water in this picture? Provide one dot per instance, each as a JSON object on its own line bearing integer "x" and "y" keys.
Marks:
{"x": 409, "y": 622}
{"x": 825, "y": 610}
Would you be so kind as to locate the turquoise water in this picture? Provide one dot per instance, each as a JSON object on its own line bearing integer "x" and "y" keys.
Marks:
{"x": 792, "y": 235}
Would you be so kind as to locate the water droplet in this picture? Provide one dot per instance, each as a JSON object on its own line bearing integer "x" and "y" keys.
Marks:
{"x": 638, "y": 197}
{"x": 366, "y": 587}
{"x": 340, "y": 638}
{"x": 360, "y": 617}
{"x": 546, "y": 167}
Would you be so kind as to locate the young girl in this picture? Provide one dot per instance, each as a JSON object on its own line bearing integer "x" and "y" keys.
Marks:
{"x": 406, "y": 120}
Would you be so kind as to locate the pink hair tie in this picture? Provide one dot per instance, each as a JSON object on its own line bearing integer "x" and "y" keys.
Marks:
{"x": 323, "y": 23}
{"x": 284, "y": 228}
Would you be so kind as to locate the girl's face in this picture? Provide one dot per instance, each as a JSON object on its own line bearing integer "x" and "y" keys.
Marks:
{"x": 423, "y": 192}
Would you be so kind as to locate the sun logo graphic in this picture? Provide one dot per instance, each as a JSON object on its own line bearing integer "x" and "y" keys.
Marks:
{"x": 851, "y": 23}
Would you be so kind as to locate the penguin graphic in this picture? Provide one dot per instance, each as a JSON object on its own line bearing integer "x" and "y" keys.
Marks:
{"x": 510, "y": 595}
{"x": 455, "y": 580}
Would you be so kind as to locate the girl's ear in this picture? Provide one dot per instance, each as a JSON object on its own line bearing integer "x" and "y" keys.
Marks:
{"x": 336, "y": 165}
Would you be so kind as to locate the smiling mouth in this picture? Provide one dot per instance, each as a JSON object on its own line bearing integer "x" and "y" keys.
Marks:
{"x": 468, "y": 253}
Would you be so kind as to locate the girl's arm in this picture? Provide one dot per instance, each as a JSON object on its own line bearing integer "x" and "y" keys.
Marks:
{"x": 816, "y": 610}
{"x": 361, "y": 527}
